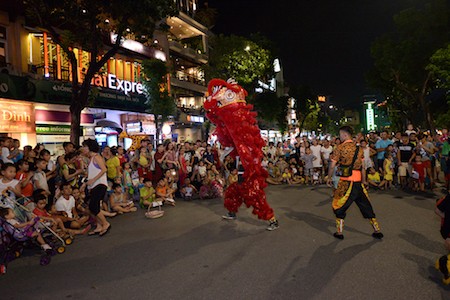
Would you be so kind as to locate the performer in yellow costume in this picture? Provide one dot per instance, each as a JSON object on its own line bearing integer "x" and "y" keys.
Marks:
{"x": 351, "y": 188}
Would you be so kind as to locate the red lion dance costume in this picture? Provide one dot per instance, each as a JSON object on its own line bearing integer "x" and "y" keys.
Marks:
{"x": 236, "y": 127}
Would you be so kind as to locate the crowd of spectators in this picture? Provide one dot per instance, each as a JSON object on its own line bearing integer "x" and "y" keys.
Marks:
{"x": 56, "y": 188}
{"x": 411, "y": 160}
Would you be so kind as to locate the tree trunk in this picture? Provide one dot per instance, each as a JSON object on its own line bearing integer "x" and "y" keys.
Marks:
{"x": 75, "y": 121}
{"x": 426, "y": 112}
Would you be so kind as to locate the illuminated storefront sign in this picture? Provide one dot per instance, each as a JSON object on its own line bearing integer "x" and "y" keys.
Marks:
{"x": 134, "y": 127}
{"x": 196, "y": 119}
{"x": 17, "y": 117}
{"x": 370, "y": 119}
{"x": 112, "y": 82}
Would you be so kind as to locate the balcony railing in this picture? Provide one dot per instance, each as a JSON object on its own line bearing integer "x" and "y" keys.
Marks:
{"x": 186, "y": 51}
{"x": 184, "y": 76}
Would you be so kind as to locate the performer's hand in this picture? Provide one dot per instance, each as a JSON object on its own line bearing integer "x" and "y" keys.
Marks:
{"x": 365, "y": 183}
{"x": 330, "y": 182}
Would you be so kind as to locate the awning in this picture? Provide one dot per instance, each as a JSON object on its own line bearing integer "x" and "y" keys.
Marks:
{"x": 110, "y": 124}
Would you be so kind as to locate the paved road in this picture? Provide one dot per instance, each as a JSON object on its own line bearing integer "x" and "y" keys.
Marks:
{"x": 191, "y": 253}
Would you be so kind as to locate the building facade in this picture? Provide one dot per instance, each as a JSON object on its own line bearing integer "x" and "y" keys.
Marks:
{"x": 187, "y": 48}
{"x": 35, "y": 84}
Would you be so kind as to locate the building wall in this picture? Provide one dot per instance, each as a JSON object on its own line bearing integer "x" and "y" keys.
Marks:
{"x": 189, "y": 134}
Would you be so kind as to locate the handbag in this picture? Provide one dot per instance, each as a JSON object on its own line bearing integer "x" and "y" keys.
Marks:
{"x": 154, "y": 214}
{"x": 347, "y": 170}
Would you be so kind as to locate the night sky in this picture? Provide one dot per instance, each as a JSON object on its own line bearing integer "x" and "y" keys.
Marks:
{"x": 323, "y": 43}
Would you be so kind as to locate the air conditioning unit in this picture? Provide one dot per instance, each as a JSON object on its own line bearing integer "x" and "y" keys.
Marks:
{"x": 6, "y": 70}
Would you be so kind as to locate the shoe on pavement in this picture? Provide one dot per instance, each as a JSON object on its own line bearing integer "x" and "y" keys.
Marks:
{"x": 378, "y": 235}
{"x": 273, "y": 226}
{"x": 339, "y": 236}
{"x": 229, "y": 216}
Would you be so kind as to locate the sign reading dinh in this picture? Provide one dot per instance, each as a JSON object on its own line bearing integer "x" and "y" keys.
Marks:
{"x": 17, "y": 117}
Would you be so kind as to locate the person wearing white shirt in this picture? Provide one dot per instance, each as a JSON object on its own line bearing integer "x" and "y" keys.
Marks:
{"x": 315, "y": 149}
{"x": 65, "y": 205}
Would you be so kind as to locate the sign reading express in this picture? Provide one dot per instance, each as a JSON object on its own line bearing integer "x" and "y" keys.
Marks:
{"x": 17, "y": 116}
{"x": 112, "y": 82}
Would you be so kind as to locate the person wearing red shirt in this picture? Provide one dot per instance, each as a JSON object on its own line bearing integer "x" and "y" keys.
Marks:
{"x": 25, "y": 176}
{"x": 420, "y": 168}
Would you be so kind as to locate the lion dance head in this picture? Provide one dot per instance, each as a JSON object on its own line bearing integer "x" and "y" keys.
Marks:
{"x": 223, "y": 93}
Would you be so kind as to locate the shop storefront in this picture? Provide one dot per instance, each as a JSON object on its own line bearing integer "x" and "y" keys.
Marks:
{"x": 48, "y": 108}
{"x": 17, "y": 120}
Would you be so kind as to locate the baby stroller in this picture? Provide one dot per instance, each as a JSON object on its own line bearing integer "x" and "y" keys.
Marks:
{"x": 9, "y": 250}
{"x": 14, "y": 240}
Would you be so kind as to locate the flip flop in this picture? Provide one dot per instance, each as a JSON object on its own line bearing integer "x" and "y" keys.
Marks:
{"x": 94, "y": 232}
{"x": 86, "y": 230}
{"x": 103, "y": 232}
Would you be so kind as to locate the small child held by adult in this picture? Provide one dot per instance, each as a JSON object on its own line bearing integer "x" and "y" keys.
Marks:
{"x": 119, "y": 202}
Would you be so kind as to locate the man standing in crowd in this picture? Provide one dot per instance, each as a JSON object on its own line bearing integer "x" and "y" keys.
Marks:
{"x": 381, "y": 146}
{"x": 405, "y": 156}
{"x": 352, "y": 188}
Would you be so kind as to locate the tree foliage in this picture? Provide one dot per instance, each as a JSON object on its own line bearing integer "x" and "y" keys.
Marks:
{"x": 306, "y": 107}
{"x": 272, "y": 109}
{"x": 155, "y": 79}
{"x": 401, "y": 58}
{"x": 439, "y": 67}
{"x": 87, "y": 24}
{"x": 239, "y": 58}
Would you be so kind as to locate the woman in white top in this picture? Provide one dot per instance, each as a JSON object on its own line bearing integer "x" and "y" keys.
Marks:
{"x": 97, "y": 184}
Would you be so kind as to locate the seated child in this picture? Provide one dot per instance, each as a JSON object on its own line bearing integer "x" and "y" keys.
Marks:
{"x": 205, "y": 191}
{"x": 53, "y": 221}
{"x": 216, "y": 187}
{"x": 23, "y": 229}
{"x": 274, "y": 174}
{"x": 66, "y": 209}
{"x": 443, "y": 211}
{"x": 317, "y": 179}
{"x": 119, "y": 201}
{"x": 147, "y": 195}
{"x": 296, "y": 174}
{"x": 287, "y": 176}
{"x": 374, "y": 179}
{"x": 171, "y": 177}
{"x": 188, "y": 190}
{"x": 81, "y": 206}
{"x": 164, "y": 193}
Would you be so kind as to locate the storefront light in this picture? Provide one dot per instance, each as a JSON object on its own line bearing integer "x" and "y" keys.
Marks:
{"x": 166, "y": 129}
